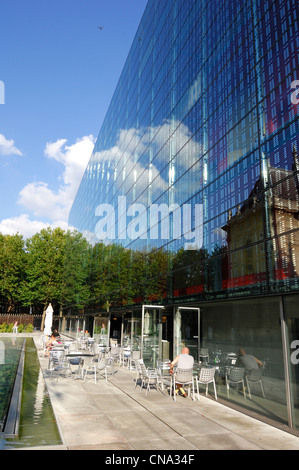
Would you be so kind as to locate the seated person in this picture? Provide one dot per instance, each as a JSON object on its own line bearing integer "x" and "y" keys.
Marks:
{"x": 248, "y": 361}
{"x": 57, "y": 334}
{"x": 53, "y": 341}
{"x": 183, "y": 361}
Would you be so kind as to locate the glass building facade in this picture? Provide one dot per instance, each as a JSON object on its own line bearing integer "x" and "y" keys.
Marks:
{"x": 190, "y": 199}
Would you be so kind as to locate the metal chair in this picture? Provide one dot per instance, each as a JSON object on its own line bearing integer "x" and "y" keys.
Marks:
{"x": 183, "y": 377}
{"x": 126, "y": 356}
{"x": 231, "y": 359}
{"x": 163, "y": 375}
{"x": 204, "y": 355}
{"x": 138, "y": 372}
{"x": 105, "y": 367}
{"x": 100, "y": 349}
{"x": 102, "y": 366}
{"x": 89, "y": 367}
{"x": 90, "y": 344}
{"x": 255, "y": 377}
{"x": 206, "y": 376}
{"x": 148, "y": 377}
{"x": 115, "y": 354}
{"x": 235, "y": 375}
{"x": 74, "y": 346}
{"x": 58, "y": 364}
{"x": 54, "y": 356}
{"x": 76, "y": 364}
{"x": 134, "y": 359}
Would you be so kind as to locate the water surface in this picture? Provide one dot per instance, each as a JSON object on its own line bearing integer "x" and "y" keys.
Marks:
{"x": 38, "y": 426}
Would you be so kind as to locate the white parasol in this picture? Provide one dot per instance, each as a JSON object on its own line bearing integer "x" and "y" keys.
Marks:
{"x": 48, "y": 320}
{"x": 178, "y": 331}
{"x": 146, "y": 323}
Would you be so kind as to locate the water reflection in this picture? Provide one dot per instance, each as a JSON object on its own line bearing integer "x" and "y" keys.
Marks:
{"x": 9, "y": 360}
{"x": 2, "y": 353}
{"x": 37, "y": 421}
{"x": 39, "y": 398}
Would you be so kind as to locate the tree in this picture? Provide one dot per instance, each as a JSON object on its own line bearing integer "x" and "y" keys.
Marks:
{"x": 75, "y": 289}
{"x": 45, "y": 265}
{"x": 109, "y": 274}
{"x": 12, "y": 269}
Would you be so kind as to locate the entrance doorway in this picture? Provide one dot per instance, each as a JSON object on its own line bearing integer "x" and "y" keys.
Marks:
{"x": 187, "y": 330}
{"x": 115, "y": 328}
{"x": 157, "y": 333}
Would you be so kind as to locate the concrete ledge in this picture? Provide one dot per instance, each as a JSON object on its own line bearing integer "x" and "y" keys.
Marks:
{"x": 13, "y": 417}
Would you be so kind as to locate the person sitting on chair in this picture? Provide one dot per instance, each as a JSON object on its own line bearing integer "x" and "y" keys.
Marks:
{"x": 248, "y": 361}
{"x": 51, "y": 343}
{"x": 183, "y": 361}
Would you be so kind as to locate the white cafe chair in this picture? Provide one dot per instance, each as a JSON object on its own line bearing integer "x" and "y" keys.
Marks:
{"x": 206, "y": 376}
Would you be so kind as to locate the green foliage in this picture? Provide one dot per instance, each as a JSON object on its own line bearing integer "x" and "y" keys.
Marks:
{"x": 3, "y": 328}
{"x": 28, "y": 328}
{"x": 12, "y": 268}
{"x": 65, "y": 269}
{"x": 7, "y": 328}
{"x": 75, "y": 287}
{"x": 45, "y": 262}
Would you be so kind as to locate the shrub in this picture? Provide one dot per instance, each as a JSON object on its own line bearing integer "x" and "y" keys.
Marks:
{"x": 4, "y": 327}
{"x": 29, "y": 328}
{"x": 7, "y": 328}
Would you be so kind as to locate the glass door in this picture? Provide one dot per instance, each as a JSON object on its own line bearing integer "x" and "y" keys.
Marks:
{"x": 152, "y": 334}
{"x": 132, "y": 330}
{"x": 186, "y": 330}
{"x": 100, "y": 329}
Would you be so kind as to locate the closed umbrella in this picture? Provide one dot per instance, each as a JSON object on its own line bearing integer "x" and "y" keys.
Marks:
{"x": 146, "y": 323}
{"x": 178, "y": 331}
{"x": 48, "y": 320}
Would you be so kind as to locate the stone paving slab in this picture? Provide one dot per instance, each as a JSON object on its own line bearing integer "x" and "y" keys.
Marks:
{"x": 116, "y": 416}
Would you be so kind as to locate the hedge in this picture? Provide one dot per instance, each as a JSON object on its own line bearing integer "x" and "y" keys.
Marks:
{"x": 7, "y": 328}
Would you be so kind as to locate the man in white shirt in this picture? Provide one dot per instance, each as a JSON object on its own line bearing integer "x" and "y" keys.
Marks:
{"x": 183, "y": 361}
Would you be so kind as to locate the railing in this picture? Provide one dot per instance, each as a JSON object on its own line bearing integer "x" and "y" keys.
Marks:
{"x": 24, "y": 319}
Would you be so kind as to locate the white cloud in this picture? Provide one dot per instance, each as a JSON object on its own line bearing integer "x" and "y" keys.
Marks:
{"x": 54, "y": 149}
{"x": 75, "y": 159}
{"x": 7, "y": 147}
{"x": 51, "y": 207}
{"x": 41, "y": 200}
{"x": 131, "y": 152}
{"x": 26, "y": 227}
{"x": 45, "y": 206}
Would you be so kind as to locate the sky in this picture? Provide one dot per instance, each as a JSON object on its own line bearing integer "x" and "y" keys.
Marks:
{"x": 58, "y": 72}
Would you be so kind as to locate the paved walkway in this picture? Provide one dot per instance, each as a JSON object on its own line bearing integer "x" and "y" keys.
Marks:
{"x": 116, "y": 416}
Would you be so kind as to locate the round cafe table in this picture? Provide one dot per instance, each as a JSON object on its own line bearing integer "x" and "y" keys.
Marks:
{"x": 79, "y": 354}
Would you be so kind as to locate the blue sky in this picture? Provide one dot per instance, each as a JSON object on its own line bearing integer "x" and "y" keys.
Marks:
{"x": 59, "y": 72}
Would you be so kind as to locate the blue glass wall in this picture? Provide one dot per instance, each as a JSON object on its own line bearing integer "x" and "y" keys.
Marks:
{"x": 191, "y": 195}
{"x": 204, "y": 121}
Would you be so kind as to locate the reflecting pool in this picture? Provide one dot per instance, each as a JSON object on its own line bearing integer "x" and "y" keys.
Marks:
{"x": 10, "y": 351}
{"x": 37, "y": 426}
